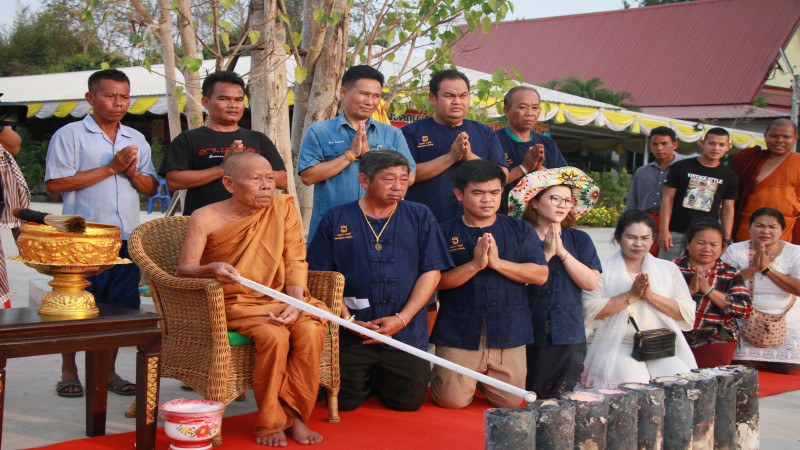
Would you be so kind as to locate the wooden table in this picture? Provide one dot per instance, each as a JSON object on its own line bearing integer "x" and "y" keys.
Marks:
{"x": 24, "y": 333}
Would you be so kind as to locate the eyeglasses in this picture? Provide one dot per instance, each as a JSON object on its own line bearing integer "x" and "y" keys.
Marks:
{"x": 558, "y": 200}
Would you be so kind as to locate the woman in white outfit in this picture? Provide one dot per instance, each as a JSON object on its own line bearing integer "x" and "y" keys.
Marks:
{"x": 653, "y": 292}
{"x": 771, "y": 268}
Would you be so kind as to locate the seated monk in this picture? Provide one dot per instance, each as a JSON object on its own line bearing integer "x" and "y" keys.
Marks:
{"x": 259, "y": 236}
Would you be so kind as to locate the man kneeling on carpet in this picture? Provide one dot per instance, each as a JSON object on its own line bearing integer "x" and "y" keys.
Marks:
{"x": 484, "y": 321}
{"x": 259, "y": 235}
{"x": 390, "y": 252}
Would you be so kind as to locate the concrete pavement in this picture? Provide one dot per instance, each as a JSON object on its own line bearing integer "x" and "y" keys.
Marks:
{"x": 36, "y": 416}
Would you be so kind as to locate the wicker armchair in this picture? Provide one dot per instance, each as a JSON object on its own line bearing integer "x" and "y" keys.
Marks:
{"x": 195, "y": 348}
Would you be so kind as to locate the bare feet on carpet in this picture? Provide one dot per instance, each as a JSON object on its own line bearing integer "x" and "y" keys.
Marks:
{"x": 298, "y": 431}
{"x": 302, "y": 434}
{"x": 273, "y": 440}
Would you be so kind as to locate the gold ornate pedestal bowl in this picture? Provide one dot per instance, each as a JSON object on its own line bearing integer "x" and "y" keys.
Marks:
{"x": 69, "y": 258}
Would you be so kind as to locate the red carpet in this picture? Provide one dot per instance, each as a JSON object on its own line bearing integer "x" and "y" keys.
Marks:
{"x": 772, "y": 383}
{"x": 374, "y": 426}
{"x": 370, "y": 426}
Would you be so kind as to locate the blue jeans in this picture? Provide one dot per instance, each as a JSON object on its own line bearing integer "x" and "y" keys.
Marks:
{"x": 119, "y": 285}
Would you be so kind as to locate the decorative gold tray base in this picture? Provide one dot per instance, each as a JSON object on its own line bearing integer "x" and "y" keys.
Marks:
{"x": 69, "y": 299}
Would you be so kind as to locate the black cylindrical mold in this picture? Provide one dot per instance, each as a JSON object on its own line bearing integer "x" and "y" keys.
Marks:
{"x": 679, "y": 412}
{"x": 724, "y": 408}
{"x": 591, "y": 412}
{"x": 622, "y": 429}
{"x": 555, "y": 427}
{"x": 510, "y": 428}
{"x": 705, "y": 387}
{"x": 650, "y": 418}
{"x": 746, "y": 406}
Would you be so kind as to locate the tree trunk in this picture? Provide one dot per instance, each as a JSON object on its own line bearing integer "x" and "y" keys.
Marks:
{"x": 164, "y": 37}
{"x": 268, "y": 91}
{"x": 316, "y": 98}
{"x": 168, "y": 54}
{"x": 193, "y": 109}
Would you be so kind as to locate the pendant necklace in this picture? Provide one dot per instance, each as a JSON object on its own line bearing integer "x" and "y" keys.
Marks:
{"x": 377, "y": 245}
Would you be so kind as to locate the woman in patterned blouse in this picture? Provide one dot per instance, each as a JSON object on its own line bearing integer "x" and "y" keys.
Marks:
{"x": 772, "y": 270}
{"x": 719, "y": 291}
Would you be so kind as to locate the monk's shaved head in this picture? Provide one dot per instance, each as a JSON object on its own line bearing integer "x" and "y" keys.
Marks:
{"x": 783, "y": 122}
{"x": 236, "y": 162}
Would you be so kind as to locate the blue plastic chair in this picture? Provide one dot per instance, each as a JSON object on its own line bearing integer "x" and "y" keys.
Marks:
{"x": 163, "y": 197}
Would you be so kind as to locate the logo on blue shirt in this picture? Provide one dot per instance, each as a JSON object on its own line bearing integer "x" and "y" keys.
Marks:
{"x": 343, "y": 234}
{"x": 455, "y": 244}
{"x": 426, "y": 142}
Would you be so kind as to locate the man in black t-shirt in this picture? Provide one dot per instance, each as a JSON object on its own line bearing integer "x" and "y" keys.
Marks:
{"x": 195, "y": 159}
{"x": 697, "y": 188}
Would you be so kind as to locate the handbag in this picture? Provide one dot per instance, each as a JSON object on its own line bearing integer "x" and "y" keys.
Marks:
{"x": 652, "y": 344}
{"x": 766, "y": 330}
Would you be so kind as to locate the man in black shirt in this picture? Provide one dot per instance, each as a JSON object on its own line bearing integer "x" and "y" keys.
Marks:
{"x": 195, "y": 159}
{"x": 697, "y": 188}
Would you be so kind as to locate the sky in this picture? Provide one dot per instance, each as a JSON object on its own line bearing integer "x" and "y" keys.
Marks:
{"x": 524, "y": 9}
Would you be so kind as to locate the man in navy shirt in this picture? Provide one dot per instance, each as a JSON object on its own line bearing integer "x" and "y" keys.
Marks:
{"x": 391, "y": 253}
{"x": 525, "y": 150}
{"x": 440, "y": 143}
{"x": 484, "y": 319}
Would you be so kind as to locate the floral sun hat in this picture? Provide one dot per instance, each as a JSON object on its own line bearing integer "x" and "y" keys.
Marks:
{"x": 584, "y": 189}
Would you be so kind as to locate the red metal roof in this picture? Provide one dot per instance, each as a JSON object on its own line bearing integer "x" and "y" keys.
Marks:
{"x": 743, "y": 111}
{"x": 703, "y": 52}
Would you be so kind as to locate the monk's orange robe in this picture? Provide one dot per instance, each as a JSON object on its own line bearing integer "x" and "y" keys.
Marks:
{"x": 779, "y": 190}
{"x": 267, "y": 247}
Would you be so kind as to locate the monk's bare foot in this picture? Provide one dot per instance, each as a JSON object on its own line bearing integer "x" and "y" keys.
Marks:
{"x": 273, "y": 440}
{"x": 302, "y": 434}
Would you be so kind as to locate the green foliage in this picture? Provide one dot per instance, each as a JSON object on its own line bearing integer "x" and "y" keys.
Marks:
{"x": 489, "y": 94}
{"x": 431, "y": 28}
{"x": 300, "y": 74}
{"x": 614, "y": 188}
{"x": 31, "y": 159}
{"x": 193, "y": 64}
{"x": 59, "y": 39}
{"x": 600, "y": 216}
{"x": 592, "y": 89}
{"x": 157, "y": 152}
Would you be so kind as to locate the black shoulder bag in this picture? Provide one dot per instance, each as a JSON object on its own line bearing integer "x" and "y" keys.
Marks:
{"x": 652, "y": 344}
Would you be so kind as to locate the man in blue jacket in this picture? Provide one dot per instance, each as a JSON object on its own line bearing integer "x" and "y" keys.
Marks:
{"x": 484, "y": 319}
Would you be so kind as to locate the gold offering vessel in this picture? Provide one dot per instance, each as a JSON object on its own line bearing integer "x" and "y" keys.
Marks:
{"x": 69, "y": 258}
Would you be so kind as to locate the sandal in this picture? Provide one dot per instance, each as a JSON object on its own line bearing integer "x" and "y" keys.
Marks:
{"x": 61, "y": 388}
{"x": 117, "y": 385}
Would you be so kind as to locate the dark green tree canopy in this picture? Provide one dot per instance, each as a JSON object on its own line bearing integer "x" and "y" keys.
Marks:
{"x": 57, "y": 39}
{"x": 594, "y": 90}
